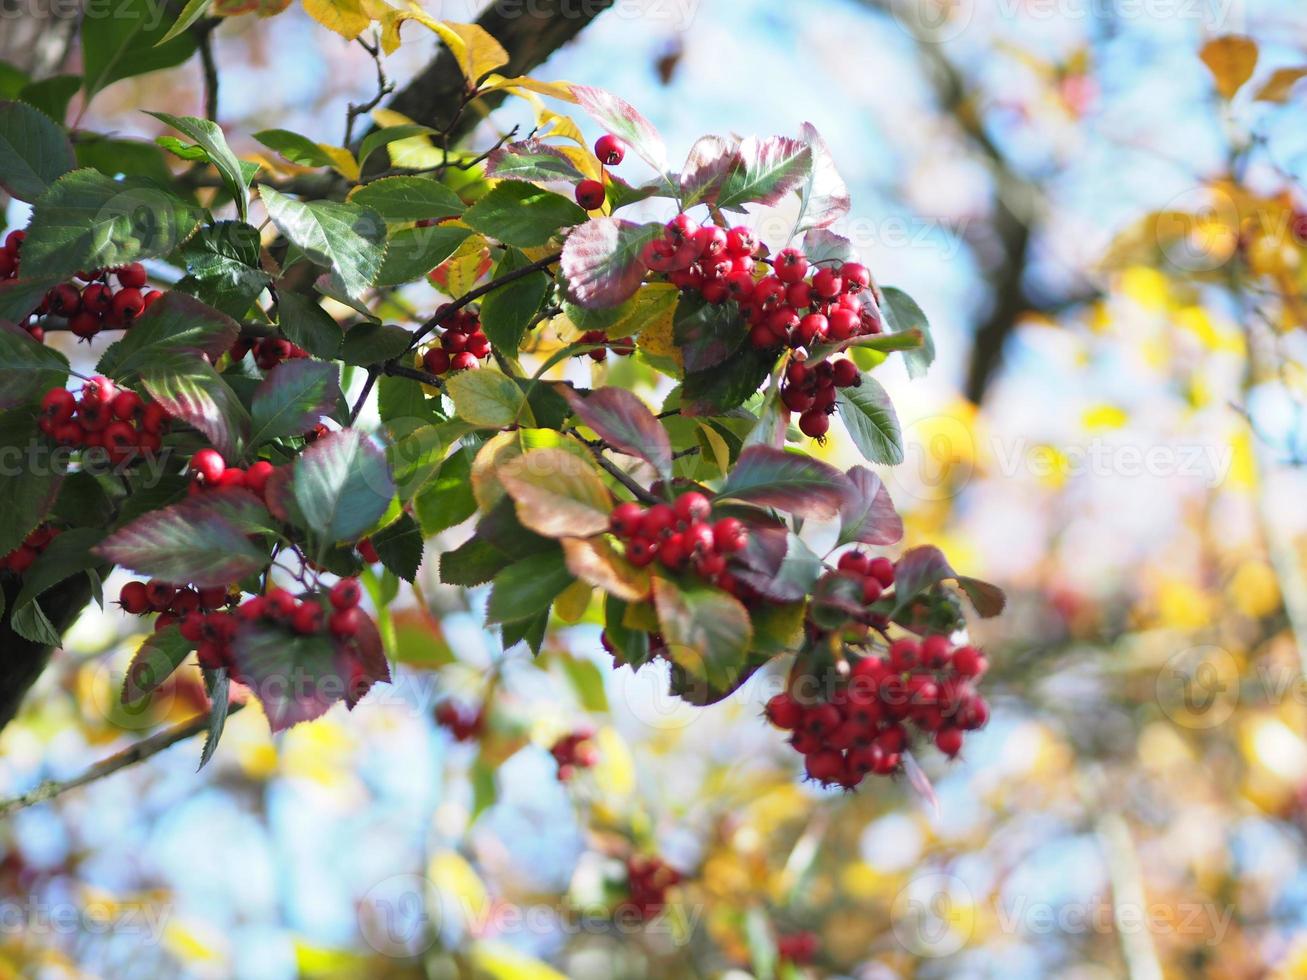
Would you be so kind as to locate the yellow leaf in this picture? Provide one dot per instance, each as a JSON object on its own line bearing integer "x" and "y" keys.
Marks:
{"x": 1231, "y": 60}
{"x": 596, "y": 562}
{"x": 417, "y": 152}
{"x": 473, "y": 47}
{"x": 721, "y": 452}
{"x": 1280, "y": 84}
{"x": 342, "y": 161}
{"x": 573, "y": 601}
{"x": 346, "y": 17}
{"x": 555, "y": 90}
{"x": 465, "y": 266}
{"x": 502, "y": 962}
{"x": 458, "y": 881}
{"x": 1102, "y": 417}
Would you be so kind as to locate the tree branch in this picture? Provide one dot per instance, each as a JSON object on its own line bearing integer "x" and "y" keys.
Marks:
{"x": 129, "y": 756}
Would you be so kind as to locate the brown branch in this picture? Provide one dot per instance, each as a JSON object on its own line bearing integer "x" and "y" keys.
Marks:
{"x": 129, "y": 756}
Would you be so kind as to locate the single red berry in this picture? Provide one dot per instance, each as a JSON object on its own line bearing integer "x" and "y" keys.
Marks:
{"x": 692, "y": 506}
{"x": 590, "y": 194}
{"x": 256, "y": 477}
{"x": 796, "y": 399}
{"x": 65, "y": 299}
{"x": 213, "y": 596}
{"x": 790, "y": 265}
{"x": 814, "y": 424}
{"x": 843, "y": 324}
{"x": 871, "y": 589}
{"x": 672, "y": 551}
{"x": 821, "y": 719}
{"x": 730, "y": 535}
{"x": 698, "y": 538}
{"x": 969, "y": 662}
{"x": 845, "y": 373}
{"x": 97, "y": 298}
{"x": 154, "y": 418}
{"x": 904, "y": 654}
{"x": 784, "y": 712}
{"x": 344, "y": 623}
{"x": 883, "y": 570}
{"x": 134, "y": 598}
{"x": 58, "y": 405}
{"x": 128, "y": 304}
{"x": 625, "y": 519}
{"x": 159, "y": 594}
{"x": 741, "y": 242}
{"x": 345, "y": 594}
{"x": 208, "y": 465}
{"x": 151, "y": 297}
{"x": 85, "y": 324}
{"x": 125, "y": 405}
{"x": 132, "y": 275}
{"x": 657, "y": 519}
{"x": 826, "y": 766}
{"x": 855, "y": 562}
{"x": 435, "y": 361}
{"x": 465, "y": 361}
{"x": 949, "y": 741}
{"x": 307, "y": 619}
{"x": 640, "y": 552}
{"x": 827, "y": 284}
{"x": 935, "y": 651}
{"x": 610, "y": 150}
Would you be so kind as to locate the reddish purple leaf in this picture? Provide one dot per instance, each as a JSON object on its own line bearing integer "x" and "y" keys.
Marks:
{"x": 868, "y": 515}
{"x": 624, "y": 121}
{"x": 787, "y": 481}
{"x": 366, "y": 659}
{"x": 920, "y": 568}
{"x": 296, "y": 678}
{"x": 825, "y": 195}
{"x": 531, "y": 160}
{"x": 601, "y": 261}
{"x": 764, "y": 171}
{"x": 706, "y": 167}
{"x": 624, "y": 421}
{"x": 190, "y": 390}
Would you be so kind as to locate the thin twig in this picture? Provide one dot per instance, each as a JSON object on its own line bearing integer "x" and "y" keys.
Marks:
{"x": 373, "y": 374}
{"x": 129, "y": 756}
{"x": 413, "y": 374}
{"x": 210, "y": 67}
{"x": 597, "y": 450}
{"x": 384, "y": 87}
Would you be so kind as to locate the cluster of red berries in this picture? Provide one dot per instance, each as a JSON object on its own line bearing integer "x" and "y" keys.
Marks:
{"x": 574, "y": 751}
{"x": 810, "y": 391}
{"x": 920, "y": 689}
{"x": 463, "y": 345}
{"x": 717, "y": 263}
{"x": 268, "y": 351}
{"x": 875, "y": 575}
{"x": 680, "y": 535}
{"x": 621, "y": 346}
{"x": 20, "y": 559}
{"x": 103, "y": 416}
{"x": 210, "y": 471}
{"x": 172, "y": 602}
{"x": 462, "y": 722}
{"x": 647, "y": 882}
{"x": 611, "y": 151}
{"x": 797, "y": 947}
{"x": 108, "y": 299}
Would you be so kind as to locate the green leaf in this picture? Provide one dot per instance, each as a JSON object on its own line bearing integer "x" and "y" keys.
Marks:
{"x": 31, "y": 623}
{"x": 528, "y": 587}
{"x": 34, "y": 152}
{"x": 903, "y": 315}
{"x": 64, "y": 557}
{"x": 708, "y": 633}
{"x": 602, "y": 262}
{"x": 401, "y": 200}
{"x": 400, "y": 547}
{"x": 89, "y": 221}
{"x": 208, "y": 136}
{"x": 218, "y": 685}
{"x": 190, "y": 390}
{"x": 371, "y": 343}
{"x": 193, "y": 11}
{"x": 447, "y": 501}
{"x": 30, "y": 480}
{"x": 632, "y": 645}
{"x": 303, "y": 321}
{"x": 203, "y": 540}
{"x": 411, "y": 253}
{"x": 292, "y": 399}
{"x": 707, "y": 333}
{"x": 125, "y": 40}
{"x": 157, "y": 658}
{"x": 378, "y": 138}
{"x": 623, "y": 420}
{"x": 118, "y": 158}
{"x": 870, "y": 419}
{"x": 345, "y": 238}
{"x": 488, "y": 399}
{"x": 506, "y": 312}
{"x": 728, "y": 385}
{"x": 223, "y": 259}
{"x": 787, "y": 481}
{"x": 27, "y": 369}
{"x": 19, "y": 298}
{"x": 533, "y": 160}
{"x": 521, "y": 214}
{"x": 587, "y": 682}
{"x": 295, "y": 148}
{"x": 175, "y": 324}
{"x": 52, "y": 95}
{"x": 342, "y": 485}
{"x": 474, "y": 562}
{"x": 763, "y": 172}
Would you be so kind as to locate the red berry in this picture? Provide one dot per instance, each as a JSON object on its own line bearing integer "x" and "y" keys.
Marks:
{"x": 883, "y": 570}
{"x": 656, "y": 520}
{"x": 826, "y": 766}
{"x": 213, "y": 597}
{"x": 345, "y": 594}
{"x": 698, "y": 539}
{"x": 280, "y": 603}
{"x": 821, "y": 719}
{"x": 85, "y": 324}
{"x": 935, "y": 651}
{"x": 58, "y": 405}
{"x": 672, "y": 551}
{"x": 134, "y": 598}
{"x": 625, "y": 519}
{"x": 125, "y": 405}
{"x": 790, "y": 265}
{"x": 740, "y": 241}
{"x": 843, "y": 324}
{"x": 154, "y": 418}
{"x": 590, "y": 194}
{"x": 949, "y": 741}
{"x": 97, "y": 298}
{"x": 692, "y": 506}
{"x": 855, "y": 275}
{"x": 610, "y": 150}
{"x": 128, "y": 304}
{"x": 827, "y": 284}
{"x": 256, "y": 477}
{"x": 159, "y": 594}
{"x": 435, "y": 361}
{"x": 368, "y": 551}
{"x": 845, "y": 373}
{"x": 640, "y": 552}
{"x": 969, "y": 662}
{"x": 344, "y": 623}
{"x": 307, "y": 619}
{"x": 871, "y": 590}
{"x": 466, "y": 361}
{"x": 814, "y": 424}
{"x": 65, "y": 299}
{"x": 730, "y": 535}
{"x": 796, "y": 399}
{"x": 132, "y": 275}
{"x": 904, "y": 654}
{"x": 208, "y": 465}
{"x": 854, "y": 561}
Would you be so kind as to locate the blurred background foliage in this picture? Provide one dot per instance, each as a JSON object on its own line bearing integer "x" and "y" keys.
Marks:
{"x": 1101, "y": 207}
